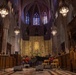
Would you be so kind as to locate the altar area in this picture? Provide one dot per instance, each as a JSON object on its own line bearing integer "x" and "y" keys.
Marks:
{"x": 36, "y": 46}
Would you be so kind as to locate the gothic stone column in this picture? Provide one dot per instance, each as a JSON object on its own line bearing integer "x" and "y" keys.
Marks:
{"x": 5, "y": 34}
{"x": 66, "y": 34}
{"x": 17, "y": 43}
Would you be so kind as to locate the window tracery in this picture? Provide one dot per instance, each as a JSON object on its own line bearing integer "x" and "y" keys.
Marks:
{"x": 44, "y": 18}
{"x": 27, "y": 18}
{"x": 36, "y": 19}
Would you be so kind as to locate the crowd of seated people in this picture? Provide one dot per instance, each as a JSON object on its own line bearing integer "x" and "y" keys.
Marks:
{"x": 36, "y": 60}
{"x": 29, "y": 60}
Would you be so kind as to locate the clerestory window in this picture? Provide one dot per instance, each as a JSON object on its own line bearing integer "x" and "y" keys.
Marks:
{"x": 36, "y": 19}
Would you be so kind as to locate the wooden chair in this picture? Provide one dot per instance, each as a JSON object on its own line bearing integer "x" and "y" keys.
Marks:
{"x": 55, "y": 63}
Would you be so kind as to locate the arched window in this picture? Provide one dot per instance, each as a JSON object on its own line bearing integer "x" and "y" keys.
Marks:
{"x": 36, "y": 19}
{"x": 44, "y": 18}
{"x": 27, "y": 18}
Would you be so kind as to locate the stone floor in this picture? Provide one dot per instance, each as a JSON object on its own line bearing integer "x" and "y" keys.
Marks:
{"x": 32, "y": 71}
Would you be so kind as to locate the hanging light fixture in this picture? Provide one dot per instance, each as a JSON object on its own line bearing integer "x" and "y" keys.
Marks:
{"x": 17, "y": 30}
{"x": 63, "y": 9}
{"x": 4, "y": 9}
{"x": 54, "y": 31}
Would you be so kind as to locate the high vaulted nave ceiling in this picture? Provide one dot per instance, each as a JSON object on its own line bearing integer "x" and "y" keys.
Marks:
{"x": 36, "y": 19}
{"x": 41, "y": 7}
{"x": 29, "y": 8}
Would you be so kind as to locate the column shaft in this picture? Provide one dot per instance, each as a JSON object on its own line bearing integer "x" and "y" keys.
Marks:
{"x": 4, "y": 42}
{"x": 16, "y": 44}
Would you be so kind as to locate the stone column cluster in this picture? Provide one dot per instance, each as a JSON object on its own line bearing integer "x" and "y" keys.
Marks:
{"x": 16, "y": 43}
{"x": 66, "y": 35}
{"x": 5, "y": 34}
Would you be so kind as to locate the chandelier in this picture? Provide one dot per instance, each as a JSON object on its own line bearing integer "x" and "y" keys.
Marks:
{"x": 17, "y": 30}
{"x": 4, "y": 9}
{"x": 63, "y": 9}
{"x": 54, "y": 30}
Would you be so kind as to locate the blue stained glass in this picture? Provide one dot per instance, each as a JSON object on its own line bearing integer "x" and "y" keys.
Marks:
{"x": 27, "y": 18}
{"x": 36, "y": 19}
{"x": 44, "y": 19}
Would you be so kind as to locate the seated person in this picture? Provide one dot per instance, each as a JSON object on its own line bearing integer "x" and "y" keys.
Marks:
{"x": 27, "y": 59}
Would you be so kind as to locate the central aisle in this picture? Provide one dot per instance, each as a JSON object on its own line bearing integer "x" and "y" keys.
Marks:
{"x": 32, "y": 71}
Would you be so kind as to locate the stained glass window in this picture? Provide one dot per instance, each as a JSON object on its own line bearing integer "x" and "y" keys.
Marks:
{"x": 36, "y": 19}
{"x": 27, "y": 18}
{"x": 44, "y": 18}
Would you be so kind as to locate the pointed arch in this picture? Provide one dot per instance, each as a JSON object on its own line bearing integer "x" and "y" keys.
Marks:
{"x": 36, "y": 19}
{"x": 27, "y": 18}
{"x": 44, "y": 18}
